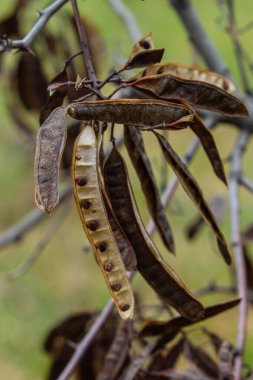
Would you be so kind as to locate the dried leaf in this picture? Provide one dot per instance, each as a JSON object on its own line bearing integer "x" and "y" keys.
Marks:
{"x": 150, "y": 264}
{"x": 198, "y": 94}
{"x": 60, "y": 88}
{"x": 31, "y": 82}
{"x": 156, "y": 328}
{"x": 141, "y": 112}
{"x": 214, "y": 339}
{"x": 249, "y": 268}
{"x": 143, "y": 54}
{"x": 92, "y": 212}
{"x": 193, "y": 190}
{"x": 116, "y": 355}
{"x": 209, "y": 146}
{"x": 167, "y": 359}
{"x": 201, "y": 359}
{"x": 136, "y": 150}
{"x": 217, "y": 205}
{"x": 49, "y": 148}
{"x": 189, "y": 73}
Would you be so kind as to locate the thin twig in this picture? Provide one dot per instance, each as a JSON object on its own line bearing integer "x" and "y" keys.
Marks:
{"x": 246, "y": 183}
{"x": 237, "y": 248}
{"x": 199, "y": 37}
{"x": 29, "y": 221}
{"x": 48, "y": 235}
{"x": 25, "y": 42}
{"x": 127, "y": 17}
{"x": 84, "y": 44}
{"x": 237, "y": 45}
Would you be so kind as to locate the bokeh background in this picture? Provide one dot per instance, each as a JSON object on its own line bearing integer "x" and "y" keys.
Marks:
{"x": 66, "y": 279}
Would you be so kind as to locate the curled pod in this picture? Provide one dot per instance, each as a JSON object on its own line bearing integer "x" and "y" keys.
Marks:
{"x": 159, "y": 275}
{"x": 93, "y": 215}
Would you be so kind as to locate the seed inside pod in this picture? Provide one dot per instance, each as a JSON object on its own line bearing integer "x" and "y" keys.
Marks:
{"x": 81, "y": 181}
{"x": 85, "y": 204}
{"x": 116, "y": 287}
{"x": 145, "y": 44}
{"x": 108, "y": 267}
{"x": 102, "y": 246}
{"x": 92, "y": 225}
{"x": 124, "y": 307}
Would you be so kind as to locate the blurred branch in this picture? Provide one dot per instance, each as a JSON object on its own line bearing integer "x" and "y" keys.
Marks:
{"x": 199, "y": 37}
{"x": 48, "y": 235}
{"x": 232, "y": 30}
{"x": 89, "y": 337}
{"x": 127, "y": 17}
{"x": 246, "y": 183}
{"x": 237, "y": 247}
{"x": 25, "y": 43}
{"x": 29, "y": 221}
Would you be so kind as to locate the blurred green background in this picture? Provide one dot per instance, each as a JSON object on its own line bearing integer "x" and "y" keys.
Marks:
{"x": 65, "y": 279}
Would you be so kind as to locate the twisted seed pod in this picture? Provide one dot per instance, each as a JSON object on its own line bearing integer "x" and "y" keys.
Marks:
{"x": 90, "y": 205}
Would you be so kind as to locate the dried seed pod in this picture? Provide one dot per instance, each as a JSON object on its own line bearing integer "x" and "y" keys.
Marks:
{"x": 95, "y": 220}
{"x": 136, "y": 150}
{"x": 150, "y": 264}
{"x": 143, "y": 54}
{"x": 189, "y": 73}
{"x": 196, "y": 93}
{"x": 49, "y": 148}
{"x": 141, "y": 112}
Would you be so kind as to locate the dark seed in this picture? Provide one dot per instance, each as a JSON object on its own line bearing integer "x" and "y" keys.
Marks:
{"x": 86, "y": 204}
{"x": 81, "y": 181}
{"x": 124, "y": 307}
{"x": 108, "y": 267}
{"x": 116, "y": 287}
{"x": 92, "y": 225}
{"x": 160, "y": 70}
{"x": 78, "y": 158}
{"x": 102, "y": 246}
{"x": 145, "y": 44}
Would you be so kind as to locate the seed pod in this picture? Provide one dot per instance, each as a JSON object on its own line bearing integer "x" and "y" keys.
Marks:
{"x": 92, "y": 212}
{"x": 150, "y": 264}
{"x": 49, "y": 148}
{"x": 141, "y": 112}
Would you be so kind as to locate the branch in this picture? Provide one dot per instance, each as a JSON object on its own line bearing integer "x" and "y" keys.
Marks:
{"x": 25, "y": 43}
{"x": 234, "y": 180}
{"x": 90, "y": 336}
{"x": 127, "y": 17}
{"x": 246, "y": 183}
{"x": 199, "y": 37}
{"x": 28, "y": 222}
{"x": 84, "y": 44}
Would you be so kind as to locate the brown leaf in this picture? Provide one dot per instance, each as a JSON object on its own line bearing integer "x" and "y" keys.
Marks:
{"x": 201, "y": 359}
{"x": 156, "y": 328}
{"x": 143, "y": 54}
{"x": 141, "y": 112}
{"x": 31, "y": 82}
{"x": 198, "y": 94}
{"x": 49, "y": 148}
{"x": 150, "y": 264}
{"x": 60, "y": 88}
{"x": 209, "y": 146}
{"x": 189, "y": 73}
{"x": 248, "y": 267}
{"x": 214, "y": 339}
{"x": 192, "y": 188}
{"x": 116, "y": 355}
{"x": 217, "y": 205}
{"x": 167, "y": 359}
{"x": 136, "y": 150}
